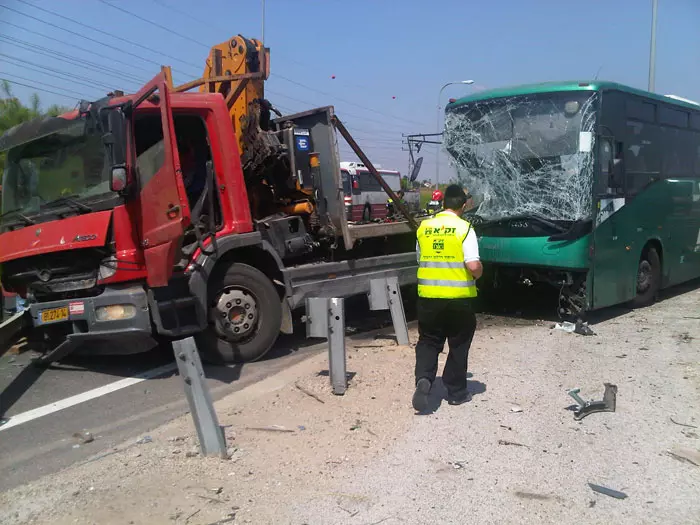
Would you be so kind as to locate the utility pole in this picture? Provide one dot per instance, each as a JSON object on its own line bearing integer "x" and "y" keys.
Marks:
{"x": 652, "y": 51}
{"x": 262, "y": 37}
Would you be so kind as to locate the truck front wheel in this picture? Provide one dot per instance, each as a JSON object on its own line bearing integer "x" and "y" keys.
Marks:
{"x": 245, "y": 316}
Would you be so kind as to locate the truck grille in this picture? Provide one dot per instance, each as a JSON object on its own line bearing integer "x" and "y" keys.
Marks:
{"x": 55, "y": 275}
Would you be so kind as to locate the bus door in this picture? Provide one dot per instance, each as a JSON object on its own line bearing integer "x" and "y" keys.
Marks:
{"x": 612, "y": 282}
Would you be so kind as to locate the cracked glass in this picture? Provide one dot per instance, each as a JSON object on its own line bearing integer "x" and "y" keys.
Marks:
{"x": 526, "y": 155}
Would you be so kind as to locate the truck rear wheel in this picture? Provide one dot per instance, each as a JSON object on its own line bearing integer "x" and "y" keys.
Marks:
{"x": 245, "y": 316}
{"x": 648, "y": 278}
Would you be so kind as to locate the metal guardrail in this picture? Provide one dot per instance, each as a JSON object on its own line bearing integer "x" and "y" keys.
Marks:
{"x": 10, "y": 329}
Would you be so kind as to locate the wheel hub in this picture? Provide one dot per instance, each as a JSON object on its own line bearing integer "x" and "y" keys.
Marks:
{"x": 644, "y": 276}
{"x": 236, "y": 313}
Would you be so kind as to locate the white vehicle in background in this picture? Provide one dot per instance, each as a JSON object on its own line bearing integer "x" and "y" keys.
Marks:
{"x": 365, "y": 199}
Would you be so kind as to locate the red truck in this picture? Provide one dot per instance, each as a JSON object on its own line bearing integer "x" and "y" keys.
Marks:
{"x": 169, "y": 213}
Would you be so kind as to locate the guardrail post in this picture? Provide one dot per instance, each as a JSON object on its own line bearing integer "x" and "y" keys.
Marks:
{"x": 385, "y": 294}
{"x": 325, "y": 317}
{"x": 212, "y": 441}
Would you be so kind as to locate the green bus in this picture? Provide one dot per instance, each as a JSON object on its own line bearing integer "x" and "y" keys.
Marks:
{"x": 592, "y": 187}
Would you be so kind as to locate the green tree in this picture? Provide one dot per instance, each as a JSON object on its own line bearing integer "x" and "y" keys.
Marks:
{"x": 13, "y": 112}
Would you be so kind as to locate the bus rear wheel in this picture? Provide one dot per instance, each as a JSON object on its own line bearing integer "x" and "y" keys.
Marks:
{"x": 648, "y": 278}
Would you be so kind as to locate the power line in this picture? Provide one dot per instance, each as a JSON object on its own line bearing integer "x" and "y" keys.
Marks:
{"x": 313, "y": 104}
{"x": 82, "y": 95}
{"x": 37, "y": 89}
{"x": 208, "y": 24}
{"x": 153, "y": 23}
{"x": 63, "y": 57}
{"x": 43, "y": 69}
{"x": 98, "y": 31}
{"x": 346, "y": 101}
{"x": 92, "y": 52}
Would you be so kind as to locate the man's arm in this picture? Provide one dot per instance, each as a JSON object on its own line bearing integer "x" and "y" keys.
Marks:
{"x": 470, "y": 249}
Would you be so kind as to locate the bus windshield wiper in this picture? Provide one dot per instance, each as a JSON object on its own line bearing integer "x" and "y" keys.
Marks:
{"x": 69, "y": 200}
{"x": 26, "y": 220}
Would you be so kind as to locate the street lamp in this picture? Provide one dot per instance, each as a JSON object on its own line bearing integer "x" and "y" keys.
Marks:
{"x": 652, "y": 50}
{"x": 437, "y": 156}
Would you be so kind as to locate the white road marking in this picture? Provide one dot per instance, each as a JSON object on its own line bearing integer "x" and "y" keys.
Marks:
{"x": 68, "y": 402}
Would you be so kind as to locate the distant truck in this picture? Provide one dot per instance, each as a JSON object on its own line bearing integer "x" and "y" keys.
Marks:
{"x": 365, "y": 200}
{"x": 166, "y": 214}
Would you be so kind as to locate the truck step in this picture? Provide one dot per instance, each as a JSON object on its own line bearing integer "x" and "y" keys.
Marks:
{"x": 176, "y": 316}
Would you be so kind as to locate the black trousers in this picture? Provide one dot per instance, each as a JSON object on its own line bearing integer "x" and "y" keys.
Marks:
{"x": 439, "y": 320}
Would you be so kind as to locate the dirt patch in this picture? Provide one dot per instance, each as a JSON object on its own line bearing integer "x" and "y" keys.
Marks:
{"x": 299, "y": 454}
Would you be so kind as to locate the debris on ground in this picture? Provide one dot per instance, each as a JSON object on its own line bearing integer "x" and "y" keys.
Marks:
{"x": 513, "y": 443}
{"x": 271, "y": 428}
{"x": 308, "y": 392}
{"x": 144, "y": 439}
{"x": 516, "y": 408}
{"x": 685, "y": 337}
{"x": 685, "y": 455}
{"x": 585, "y": 408}
{"x": 607, "y": 491}
{"x": 579, "y": 327}
{"x": 84, "y": 437}
{"x": 682, "y": 424}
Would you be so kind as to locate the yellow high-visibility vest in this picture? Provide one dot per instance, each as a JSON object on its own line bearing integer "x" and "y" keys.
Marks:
{"x": 441, "y": 270}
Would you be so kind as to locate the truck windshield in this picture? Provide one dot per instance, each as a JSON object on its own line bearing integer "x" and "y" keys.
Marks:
{"x": 66, "y": 163}
{"x": 527, "y": 154}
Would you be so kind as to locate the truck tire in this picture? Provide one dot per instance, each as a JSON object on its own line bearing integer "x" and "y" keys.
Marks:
{"x": 648, "y": 278}
{"x": 245, "y": 316}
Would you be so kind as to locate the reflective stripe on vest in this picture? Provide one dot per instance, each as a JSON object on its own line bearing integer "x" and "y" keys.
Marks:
{"x": 441, "y": 270}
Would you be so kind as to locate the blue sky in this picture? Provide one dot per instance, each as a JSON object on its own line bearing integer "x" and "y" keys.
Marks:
{"x": 377, "y": 50}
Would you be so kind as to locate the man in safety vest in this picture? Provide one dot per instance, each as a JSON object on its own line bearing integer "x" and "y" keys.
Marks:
{"x": 448, "y": 266}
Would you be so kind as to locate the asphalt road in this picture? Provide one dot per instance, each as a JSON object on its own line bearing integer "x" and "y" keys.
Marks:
{"x": 38, "y": 446}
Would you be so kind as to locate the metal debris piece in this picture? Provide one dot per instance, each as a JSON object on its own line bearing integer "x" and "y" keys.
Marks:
{"x": 308, "y": 392}
{"x": 144, "y": 439}
{"x": 516, "y": 408}
{"x": 272, "y": 428}
{"x": 607, "y": 492}
{"x": 504, "y": 442}
{"x": 585, "y": 408}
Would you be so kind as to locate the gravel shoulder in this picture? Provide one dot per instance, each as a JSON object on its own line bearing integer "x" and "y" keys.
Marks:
{"x": 512, "y": 455}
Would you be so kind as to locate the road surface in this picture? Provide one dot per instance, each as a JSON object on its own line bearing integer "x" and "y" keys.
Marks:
{"x": 117, "y": 397}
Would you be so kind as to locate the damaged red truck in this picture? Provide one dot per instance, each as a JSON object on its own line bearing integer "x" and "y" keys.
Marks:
{"x": 165, "y": 214}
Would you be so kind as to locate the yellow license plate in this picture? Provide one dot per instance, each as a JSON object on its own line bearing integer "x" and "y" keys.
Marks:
{"x": 54, "y": 315}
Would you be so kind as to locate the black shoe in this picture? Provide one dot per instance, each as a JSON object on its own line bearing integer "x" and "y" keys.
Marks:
{"x": 459, "y": 400}
{"x": 420, "y": 396}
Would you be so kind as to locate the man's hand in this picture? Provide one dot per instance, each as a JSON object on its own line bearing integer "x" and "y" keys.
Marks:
{"x": 475, "y": 268}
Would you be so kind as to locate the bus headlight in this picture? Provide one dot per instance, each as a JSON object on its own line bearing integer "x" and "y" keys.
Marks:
{"x": 115, "y": 312}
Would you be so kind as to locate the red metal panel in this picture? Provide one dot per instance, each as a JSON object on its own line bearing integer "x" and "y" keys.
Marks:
{"x": 163, "y": 201}
{"x": 80, "y": 231}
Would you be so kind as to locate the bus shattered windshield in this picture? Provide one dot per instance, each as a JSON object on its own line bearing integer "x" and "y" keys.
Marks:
{"x": 525, "y": 155}
{"x": 65, "y": 166}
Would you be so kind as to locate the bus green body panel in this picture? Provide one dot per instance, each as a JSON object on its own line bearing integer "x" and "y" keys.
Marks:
{"x": 666, "y": 215}
{"x": 643, "y": 160}
{"x": 535, "y": 251}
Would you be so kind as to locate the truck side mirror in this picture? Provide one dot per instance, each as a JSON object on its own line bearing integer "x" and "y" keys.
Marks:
{"x": 114, "y": 141}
